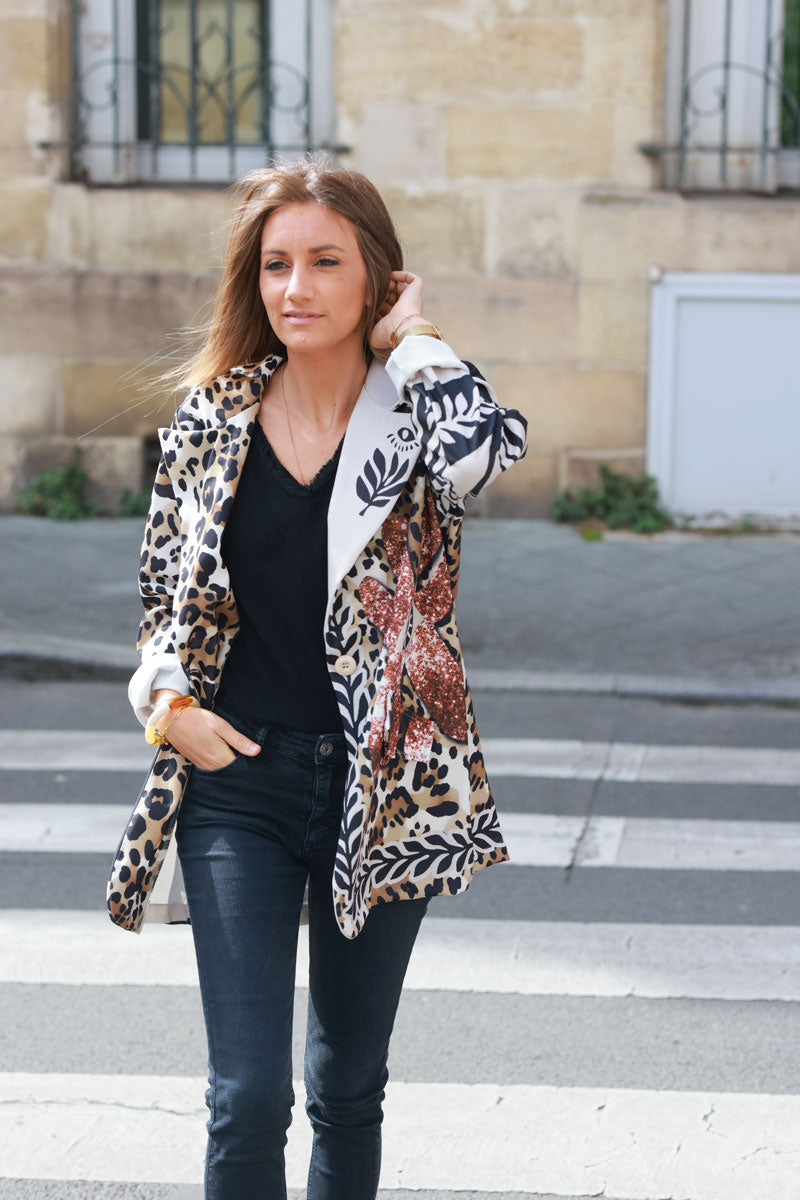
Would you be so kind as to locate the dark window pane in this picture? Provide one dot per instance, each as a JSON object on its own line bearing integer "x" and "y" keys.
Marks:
{"x": 209, "y": 68}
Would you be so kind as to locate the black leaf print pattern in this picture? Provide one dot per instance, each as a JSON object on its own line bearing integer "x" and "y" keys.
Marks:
{"x": 486, "y": 831}
{"x": 433, "y": 853}
{"x": 380, "y": 481}
{"x": 465, "y": 436}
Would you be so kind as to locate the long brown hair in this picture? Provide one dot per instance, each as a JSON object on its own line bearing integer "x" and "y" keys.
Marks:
{"x": 239, "y": 331}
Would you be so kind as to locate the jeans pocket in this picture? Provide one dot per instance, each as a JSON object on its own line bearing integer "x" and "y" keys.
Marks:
{"x": 238, "y": 758}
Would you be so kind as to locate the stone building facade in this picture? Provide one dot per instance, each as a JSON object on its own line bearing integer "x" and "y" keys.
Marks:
{"x": 506, "y": 137}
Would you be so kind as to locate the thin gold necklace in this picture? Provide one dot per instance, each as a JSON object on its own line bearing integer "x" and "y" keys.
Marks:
{"x": 289, "y": 424}
{"x": 291, "y": 435}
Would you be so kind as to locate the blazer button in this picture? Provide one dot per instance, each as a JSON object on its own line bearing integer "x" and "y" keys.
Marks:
{"x": 345, "y": 664}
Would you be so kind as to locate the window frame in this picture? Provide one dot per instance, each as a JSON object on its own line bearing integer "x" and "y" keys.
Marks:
{"x": 106, "y": 148}
{"x": 724, "y": 98}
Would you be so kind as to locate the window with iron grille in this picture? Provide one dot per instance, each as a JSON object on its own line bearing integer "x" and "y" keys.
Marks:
{"x": 197, "y": 91}
{"x": 732, "y": 96}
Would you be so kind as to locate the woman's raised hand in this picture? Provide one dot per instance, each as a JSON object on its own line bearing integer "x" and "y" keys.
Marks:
{"x": 403, "y": 299}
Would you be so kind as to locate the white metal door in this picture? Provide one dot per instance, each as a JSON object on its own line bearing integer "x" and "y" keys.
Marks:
{"x": 724, "y": 394}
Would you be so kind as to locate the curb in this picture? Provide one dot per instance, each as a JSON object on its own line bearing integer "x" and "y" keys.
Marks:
{"x": 653, "y": 687}
{"x": 49, "y": 657}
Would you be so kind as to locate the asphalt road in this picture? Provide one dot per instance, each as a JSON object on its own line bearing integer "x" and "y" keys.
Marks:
{"x": 617, "y": 1019}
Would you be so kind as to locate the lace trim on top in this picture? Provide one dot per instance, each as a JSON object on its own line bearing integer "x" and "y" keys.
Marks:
{"x": 284, "y": 476}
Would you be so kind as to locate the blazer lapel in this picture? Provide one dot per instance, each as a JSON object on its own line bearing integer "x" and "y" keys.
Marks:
{"x": 378, "y": 453}
{"x": 193, "y": 456}
{"x": 226, "y": 422}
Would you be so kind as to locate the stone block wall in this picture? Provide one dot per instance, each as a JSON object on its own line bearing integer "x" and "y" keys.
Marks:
{"x": 503, "y": 135}
{"x": 498, "y": 121}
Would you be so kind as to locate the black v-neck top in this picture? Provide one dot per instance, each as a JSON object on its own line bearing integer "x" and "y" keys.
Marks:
{"x": 275, "y": 546}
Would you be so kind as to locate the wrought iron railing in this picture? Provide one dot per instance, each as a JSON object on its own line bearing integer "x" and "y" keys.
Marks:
{"x": 197, "y": 90}
{"x": 732, "y": 96}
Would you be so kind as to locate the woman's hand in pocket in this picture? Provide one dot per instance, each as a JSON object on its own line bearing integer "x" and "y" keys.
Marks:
{"x": 207, "y": 740}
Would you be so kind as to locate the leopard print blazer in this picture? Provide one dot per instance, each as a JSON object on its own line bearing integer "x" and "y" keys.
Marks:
{"x": 418, "y": 817}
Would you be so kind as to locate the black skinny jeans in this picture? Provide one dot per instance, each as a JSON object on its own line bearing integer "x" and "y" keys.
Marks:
{"x": 248, "y": 837}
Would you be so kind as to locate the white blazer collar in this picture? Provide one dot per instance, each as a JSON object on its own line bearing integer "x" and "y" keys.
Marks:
{"x": 379, "y": 450}
{"x": 378, "y": 453}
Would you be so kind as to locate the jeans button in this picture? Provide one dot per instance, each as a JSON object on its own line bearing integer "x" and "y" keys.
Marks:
{"x": 325, "y": 749}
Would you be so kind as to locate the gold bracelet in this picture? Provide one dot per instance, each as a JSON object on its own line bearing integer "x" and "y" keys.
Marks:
{"x": 410, "y": 317}
{"x": 153, "y": 735}
{"x": 177, "y": 709}
{"x": 426, "y": 328}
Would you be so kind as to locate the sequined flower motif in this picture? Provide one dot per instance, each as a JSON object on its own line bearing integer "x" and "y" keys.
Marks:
{"x": 407, "y": 618}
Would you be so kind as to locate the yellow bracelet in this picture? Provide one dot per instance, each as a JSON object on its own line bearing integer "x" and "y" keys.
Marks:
{"x": 150, "y": 732}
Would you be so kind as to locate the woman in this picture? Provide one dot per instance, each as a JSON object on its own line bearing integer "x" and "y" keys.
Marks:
{"x": 301, "y": 669}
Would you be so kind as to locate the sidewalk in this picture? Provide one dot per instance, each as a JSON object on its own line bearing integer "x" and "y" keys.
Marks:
{"x": 678, "y": 615}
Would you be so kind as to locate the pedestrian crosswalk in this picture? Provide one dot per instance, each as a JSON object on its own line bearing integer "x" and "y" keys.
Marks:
{"x": 533, "y": 1055}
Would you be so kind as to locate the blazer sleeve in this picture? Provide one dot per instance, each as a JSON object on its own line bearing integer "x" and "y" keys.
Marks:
{"x": 159, "y": 570}
{"x": 467, "y": 439}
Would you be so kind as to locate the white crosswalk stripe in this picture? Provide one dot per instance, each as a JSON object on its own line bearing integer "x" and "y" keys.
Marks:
{"x": 534, "y": 839}
{"x": 62, "y": 750}
{"x": 485, "y": 1136}
{"x": 528, "y": 958}
{"x": 488, "y": 1137}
